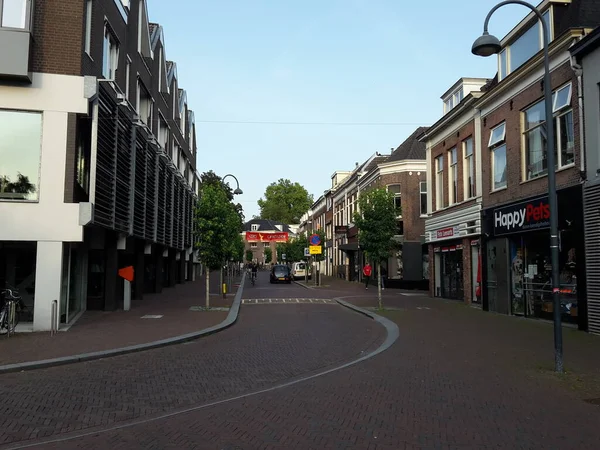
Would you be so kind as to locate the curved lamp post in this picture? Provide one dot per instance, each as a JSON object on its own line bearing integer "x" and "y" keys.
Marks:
{"x": 237, "y": 190}
{"x": 487, "y": 45}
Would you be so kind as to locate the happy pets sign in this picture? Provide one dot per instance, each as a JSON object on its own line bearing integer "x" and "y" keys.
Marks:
{"x": 523, "y": 216}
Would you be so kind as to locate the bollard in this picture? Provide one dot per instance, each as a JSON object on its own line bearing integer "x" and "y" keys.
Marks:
{"x": 53, "y": 317}
{"x": 12, "y": 310}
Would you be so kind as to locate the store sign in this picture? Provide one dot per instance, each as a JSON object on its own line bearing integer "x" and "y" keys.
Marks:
{"x": 523, "y": 216}
{"x": 266, "y": 237}
{"x": 446, "y": 233}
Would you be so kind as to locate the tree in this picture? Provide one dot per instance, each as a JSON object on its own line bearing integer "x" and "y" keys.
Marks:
{"x": 218, "y": 226}
{"x": 376, "y": 222}
{"x": 21, "y": 186}
{"x": 249, "y": 255}
{"x": 285, "y": 202}
{"x": 268, "y": 255}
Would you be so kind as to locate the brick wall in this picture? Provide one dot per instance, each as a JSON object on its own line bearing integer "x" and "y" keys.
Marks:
{"x": 414, "y": 224}
{"x": 58, "y": 37}
{"x": 443, "y": 148}
{"x": 511, "y": 113}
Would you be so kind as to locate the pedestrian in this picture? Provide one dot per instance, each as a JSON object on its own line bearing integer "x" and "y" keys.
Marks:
{"x": 367, "y": 270}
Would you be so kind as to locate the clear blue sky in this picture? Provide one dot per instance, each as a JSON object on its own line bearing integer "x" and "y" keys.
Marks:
{"x": 317, "y": 61}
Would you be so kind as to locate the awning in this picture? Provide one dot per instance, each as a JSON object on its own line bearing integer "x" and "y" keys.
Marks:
{"x": 353, "y": 247}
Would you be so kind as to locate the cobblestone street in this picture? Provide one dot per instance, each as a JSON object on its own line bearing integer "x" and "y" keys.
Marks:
{"x": 455, "y": 378}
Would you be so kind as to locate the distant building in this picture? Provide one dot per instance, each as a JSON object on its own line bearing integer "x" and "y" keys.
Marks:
{"x": 261, "y": 234}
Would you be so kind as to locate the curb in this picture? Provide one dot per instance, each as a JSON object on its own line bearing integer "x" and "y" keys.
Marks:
{"x": 393, "y": 332}
{"x": 303, "y": 285}
{"x": 82, "y": 357}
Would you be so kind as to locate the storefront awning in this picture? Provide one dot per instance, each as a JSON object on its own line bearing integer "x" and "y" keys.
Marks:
{"x": 353, "y": 247}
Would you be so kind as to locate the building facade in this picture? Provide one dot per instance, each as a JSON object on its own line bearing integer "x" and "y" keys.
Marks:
{"x": 515, "y": 214}
{"x": 587, "y": 69}
{"x": 261, "y": 237}
{"x": 98, "y": 156}
{"x": 452, "y": 229}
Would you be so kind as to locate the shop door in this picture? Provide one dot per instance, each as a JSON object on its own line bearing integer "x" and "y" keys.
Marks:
{"x": 497, "y": 276}
{"x": 452, "y": 275}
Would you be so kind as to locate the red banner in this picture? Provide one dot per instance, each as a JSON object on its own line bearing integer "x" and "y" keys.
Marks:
{"x": 254, "y": 236}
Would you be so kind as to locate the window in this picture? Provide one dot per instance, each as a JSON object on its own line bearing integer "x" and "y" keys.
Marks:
{"x": 182, "y": 117}
{"x": 423, "y": 192}
{"x": 88, "y": 26}
{"x": 469, "y": 169}
{"x": 160, "y": 70}
{"x": 254, "y": 227}
{"x": 253, "y": 245}
{"x": 497, "y": 147}
{"x": 523, "y": 48}
{"x": 110, "y": 55}
{"x": 144, "y": 104}
{"x": 395, "y": 189}
{"x": 534, "y": 134}
{"x": 15, "y": 13}
{"x": 453, "y": 176}
{"x": 127, "y": 77}
{"x": 163, "y": 132}
{"x": 20, "y": 153}
{"x": 83, "y": 166}
{"x": 439, "y": 182}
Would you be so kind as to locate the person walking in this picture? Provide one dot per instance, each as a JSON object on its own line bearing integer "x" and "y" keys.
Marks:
{"x": 367, "y": 271}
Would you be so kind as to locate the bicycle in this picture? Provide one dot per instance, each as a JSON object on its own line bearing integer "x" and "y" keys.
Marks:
{"x": 9, "y": 317}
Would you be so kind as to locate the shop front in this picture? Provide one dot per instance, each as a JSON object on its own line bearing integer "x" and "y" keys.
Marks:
{"x": 517, "y": 269}
{"x": 454, "y": 244}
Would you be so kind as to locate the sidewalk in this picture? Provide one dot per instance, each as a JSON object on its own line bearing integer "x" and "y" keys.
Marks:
{"x": 475, "y": 336}
{"x": 105, "y": 330}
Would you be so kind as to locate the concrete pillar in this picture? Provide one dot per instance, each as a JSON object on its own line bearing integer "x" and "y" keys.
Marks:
{"x": 139, "y": 271}
{"x": 182, "y": 267}
{"x": 172, "y": 268}
{"x": 158, "y": 269}
{"x": 48, "y": 280}
{"x": 111, "y": 272}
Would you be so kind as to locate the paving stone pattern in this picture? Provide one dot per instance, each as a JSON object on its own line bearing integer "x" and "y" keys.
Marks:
{"x": 259, "y": 351}
{"x": 447, "y": 383}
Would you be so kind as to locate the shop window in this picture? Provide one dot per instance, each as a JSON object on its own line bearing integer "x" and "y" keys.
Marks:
{"x": 20, "y": 153}
{"x": 497, "y": 145}
{"x": 453, "y": 176}
{"x": 439, "y": 182}
{"x": 469, "y": 168}
{"x": 536, "y": 163}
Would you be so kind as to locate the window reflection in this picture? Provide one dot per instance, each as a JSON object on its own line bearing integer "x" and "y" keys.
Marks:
{"x": 20, "y": 151}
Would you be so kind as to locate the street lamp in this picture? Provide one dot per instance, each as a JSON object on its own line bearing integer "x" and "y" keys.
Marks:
{"x": 487, "y": 45}
{"x": 237, "y": 190}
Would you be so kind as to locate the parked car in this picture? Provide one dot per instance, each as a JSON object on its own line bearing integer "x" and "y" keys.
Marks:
{"x": 299, "y": 270}
{"x": 280, "y": 274}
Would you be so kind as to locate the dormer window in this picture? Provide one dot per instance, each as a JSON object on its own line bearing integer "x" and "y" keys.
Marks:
{"x": 522, "y": 49}
{"x": 454, "y": 99}
{"x": 254, "y": 227}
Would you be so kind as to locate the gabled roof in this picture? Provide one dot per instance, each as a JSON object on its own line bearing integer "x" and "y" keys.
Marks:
{"x": 267, "y": 225}
{"x": 171, "y": 71}
{"x": 411, "y": 148}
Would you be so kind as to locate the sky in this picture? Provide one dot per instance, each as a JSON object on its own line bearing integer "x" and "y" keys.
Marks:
{"x": 300, "y": 89}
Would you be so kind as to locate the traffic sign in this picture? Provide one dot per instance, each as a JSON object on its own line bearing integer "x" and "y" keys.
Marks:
{"x": 306, "y": 251}
{"x": 315, "y": 239}
{"x": 316, "y": 249}
{"x": 283, "y": 256}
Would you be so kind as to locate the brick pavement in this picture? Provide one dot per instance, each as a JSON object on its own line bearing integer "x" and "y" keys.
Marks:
{"x": 268, "y": 344}
{"x": 456, "y": 379}
{"x": 100, "y": 330}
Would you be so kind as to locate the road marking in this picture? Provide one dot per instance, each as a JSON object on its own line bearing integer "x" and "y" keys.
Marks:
{"x": 152, "y": 316}
{"x": 297, "y": 301}
{"x": 269, "y": 300}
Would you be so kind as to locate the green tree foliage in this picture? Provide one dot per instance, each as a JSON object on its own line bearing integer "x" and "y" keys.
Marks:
{"x": 294, "y": 248}
{"x": 218, "y": 227}
{"x": 285, "y": 202}
{"x": 212, "y": 179}
{"x": 268, "y": 255}
{"x": 376, "y": 222}
{"x": 249, "y": 255}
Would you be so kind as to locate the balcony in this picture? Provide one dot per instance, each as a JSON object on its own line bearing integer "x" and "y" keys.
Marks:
{"x": 15, "y": 39}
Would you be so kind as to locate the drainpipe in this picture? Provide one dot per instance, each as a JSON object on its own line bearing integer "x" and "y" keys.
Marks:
{"x": 577, "y": 69}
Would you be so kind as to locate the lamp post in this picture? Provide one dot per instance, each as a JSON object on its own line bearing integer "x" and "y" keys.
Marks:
{"x": 487, "y": 45}
{"x": 237, "y": 191}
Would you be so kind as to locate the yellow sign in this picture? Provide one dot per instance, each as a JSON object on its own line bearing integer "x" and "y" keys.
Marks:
{"x": 315, "y": 249}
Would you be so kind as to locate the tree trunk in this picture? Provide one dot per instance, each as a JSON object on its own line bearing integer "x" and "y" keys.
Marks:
{"x": 207, "y": 287}
{"x": 380, "y": 300}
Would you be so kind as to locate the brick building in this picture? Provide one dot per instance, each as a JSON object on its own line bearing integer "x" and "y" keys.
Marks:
{"x": 515, "y": 215}
{"x": 98, "y": 153}
{"x": 452, "y": 229}
{"x": 262, "y": 234}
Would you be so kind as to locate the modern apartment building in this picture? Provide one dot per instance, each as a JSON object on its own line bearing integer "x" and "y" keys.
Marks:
{"x": 97, "y": 156}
